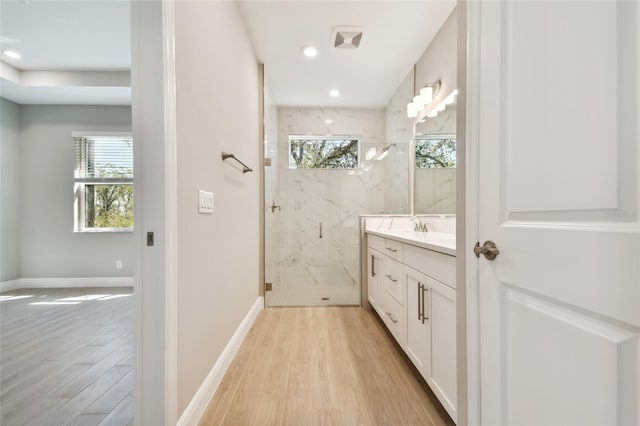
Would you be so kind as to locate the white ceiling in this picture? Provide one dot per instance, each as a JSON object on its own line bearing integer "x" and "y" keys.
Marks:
{"x": 87, "y": 35}
{"x": 396, "y": 33}
{"x": 94, "y": 35}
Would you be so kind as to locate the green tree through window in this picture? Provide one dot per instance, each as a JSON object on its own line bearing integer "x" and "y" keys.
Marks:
{"x": 436, "y": 151}
{"x": 104, "y": 183}
{"x": 323, "y": 153}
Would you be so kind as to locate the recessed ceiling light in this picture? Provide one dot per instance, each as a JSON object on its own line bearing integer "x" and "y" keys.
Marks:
{"x": 328, "y": 121}
{"x": 12, "y": 54}
{"x": 334, "y": 93}
{"x": 309, "y": 51}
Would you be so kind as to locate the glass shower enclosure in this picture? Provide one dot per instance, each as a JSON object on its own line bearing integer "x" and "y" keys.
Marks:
{"x": 312, "y": 235}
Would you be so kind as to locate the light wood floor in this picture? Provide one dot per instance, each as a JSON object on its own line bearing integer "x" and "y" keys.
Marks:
{"x": 321, "y": 366}
{"x": 66, "y": 357}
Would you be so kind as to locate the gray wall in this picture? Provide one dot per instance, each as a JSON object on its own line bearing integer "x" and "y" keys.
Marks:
{"x": 9, "y": 190}
{"x": 218, "y": 109}
{"x": 48, "y": 246}
{"x": 439, "y": 60}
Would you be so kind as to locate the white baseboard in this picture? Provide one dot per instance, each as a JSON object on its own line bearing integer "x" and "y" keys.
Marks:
{"x": 66, "y": 283}
{"x": 196, "y": 408}
{"x": 9, "y": 285}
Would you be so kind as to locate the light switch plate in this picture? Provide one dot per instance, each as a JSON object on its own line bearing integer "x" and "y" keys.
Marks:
{"x": 205, "y": 202}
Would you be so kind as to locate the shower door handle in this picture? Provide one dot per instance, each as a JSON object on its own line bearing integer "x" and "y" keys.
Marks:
{"x": 320, "y": 230}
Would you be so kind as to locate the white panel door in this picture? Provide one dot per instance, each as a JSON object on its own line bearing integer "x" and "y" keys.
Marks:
{"x": 558, "y": 156}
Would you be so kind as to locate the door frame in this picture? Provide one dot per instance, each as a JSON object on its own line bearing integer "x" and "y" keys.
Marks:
{"x": 155, "y": 269}
{"x": 467, "y": 226}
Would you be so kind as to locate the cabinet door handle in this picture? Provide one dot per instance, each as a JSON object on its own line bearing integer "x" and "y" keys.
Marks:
{"x": 320, "y": 230}
{"x": 391, "y": 318}
{"x": 391, "y": 278}
{"x": 391, "y": 249}
{"x": 419, "y": 297}
{"x": 373, "y": 266}
{"x": 424, "y": 315}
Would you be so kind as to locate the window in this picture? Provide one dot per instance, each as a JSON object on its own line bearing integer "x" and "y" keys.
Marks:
{"x": 436, "y": 151}
{"x": 317, "y": 152}
{"x": 103, "y": 183}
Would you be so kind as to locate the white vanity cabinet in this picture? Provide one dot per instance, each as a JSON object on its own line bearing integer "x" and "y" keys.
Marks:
{"x": 386, "y": 285}
{"x": 431, "y": 334}
{"x": 413, "y": 290}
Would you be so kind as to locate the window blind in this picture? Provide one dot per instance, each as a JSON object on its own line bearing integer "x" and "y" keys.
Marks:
{"x": 102, "y": 157}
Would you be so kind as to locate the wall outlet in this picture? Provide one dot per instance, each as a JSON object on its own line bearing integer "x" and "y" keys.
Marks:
{"x": 118, "y": 264}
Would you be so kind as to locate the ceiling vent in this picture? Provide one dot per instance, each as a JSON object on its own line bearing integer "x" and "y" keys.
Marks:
{"x": 346, "y": 37}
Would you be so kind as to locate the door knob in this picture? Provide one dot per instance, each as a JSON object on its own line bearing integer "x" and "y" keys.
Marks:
{"x": 489, "y": 249}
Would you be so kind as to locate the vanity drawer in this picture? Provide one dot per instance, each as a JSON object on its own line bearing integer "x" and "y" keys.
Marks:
{"x": 393, "y": 249}
{"x": 440, "y": 266}
{"x": 376, "y": 242}
{"x": 394, "y": 318}
{"x": 393, "y": 280}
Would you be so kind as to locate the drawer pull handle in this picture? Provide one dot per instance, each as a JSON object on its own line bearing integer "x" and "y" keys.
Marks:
{"x": 391, "y": 278}
{"x": 391, "y": 318}
{"x": 391, "y": 249}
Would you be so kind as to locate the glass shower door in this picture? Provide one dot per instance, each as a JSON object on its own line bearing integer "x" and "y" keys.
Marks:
{"x": 311, "y": 241}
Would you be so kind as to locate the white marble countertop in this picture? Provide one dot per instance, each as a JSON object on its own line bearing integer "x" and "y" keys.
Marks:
{"x": 437, "y": 241}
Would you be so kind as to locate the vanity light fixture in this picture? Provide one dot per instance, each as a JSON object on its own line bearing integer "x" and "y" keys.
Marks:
{"x": 412, "y": 110}
{"x": 309, "y": 51}
{"x": 451, "y": 98}
{"x": 334, "y": 93}
{"x": 423, "y": 98}
{"x": 12, "y": 54}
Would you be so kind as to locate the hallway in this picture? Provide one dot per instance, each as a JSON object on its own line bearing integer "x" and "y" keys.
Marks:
{"x": 324, "y": 366}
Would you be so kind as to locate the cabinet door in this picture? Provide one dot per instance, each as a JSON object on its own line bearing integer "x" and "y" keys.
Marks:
{"x": 440, "y": 309}
{"x": 418, "y": 332}
{"x": 375, "y": 270}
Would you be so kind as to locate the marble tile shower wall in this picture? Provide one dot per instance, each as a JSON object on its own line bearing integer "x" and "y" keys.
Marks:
{"x": 398, "y": 127}
{"x": 304, "y": 267}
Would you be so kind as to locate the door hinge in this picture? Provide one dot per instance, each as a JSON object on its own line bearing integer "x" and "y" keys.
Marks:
{"x": 268, "y": 286}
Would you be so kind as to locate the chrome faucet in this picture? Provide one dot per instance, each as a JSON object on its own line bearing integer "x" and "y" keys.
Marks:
{"x": 420, "y": 227}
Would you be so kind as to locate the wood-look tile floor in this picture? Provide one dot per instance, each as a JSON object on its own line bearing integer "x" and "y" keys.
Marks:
{"x": 321, "y": 366}
{"x": 66, "y": 357}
